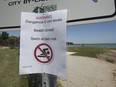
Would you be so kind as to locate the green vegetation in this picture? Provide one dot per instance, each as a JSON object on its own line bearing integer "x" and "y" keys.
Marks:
{"x": 9, "y": 65}
{"x": 69, "y": 43}
{"x": 9, "y": 69}
{"x": 112, "y": 48}
{"x": 9, "y": 41}
{"x": 103, "y": 53}
{"x": 87, "y": 51}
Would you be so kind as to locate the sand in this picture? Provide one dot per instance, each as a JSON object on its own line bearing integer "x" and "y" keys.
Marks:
{"x": 88, "y": 72}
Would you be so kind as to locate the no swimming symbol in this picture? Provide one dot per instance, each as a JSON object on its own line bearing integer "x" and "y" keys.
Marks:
{"x": 43, "y": 53}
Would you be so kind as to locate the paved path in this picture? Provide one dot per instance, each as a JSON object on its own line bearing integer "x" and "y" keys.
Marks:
{"x": 88, "y": 72}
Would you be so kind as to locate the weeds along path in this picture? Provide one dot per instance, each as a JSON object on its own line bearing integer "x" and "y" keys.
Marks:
{"x": 4, "y": 60}
{"x": 8, "y": 67}
{"x": 109, "y": 56}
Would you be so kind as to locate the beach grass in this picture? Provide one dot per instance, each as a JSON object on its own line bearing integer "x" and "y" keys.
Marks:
{"x": 112, "y": 48}
{"x": 103, "y": 53}
{"x": 87, "y": 50}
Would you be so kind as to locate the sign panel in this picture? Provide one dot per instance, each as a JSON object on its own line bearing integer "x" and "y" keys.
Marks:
{"x": 43, "y": 43}
{"x": 79, "y": 11}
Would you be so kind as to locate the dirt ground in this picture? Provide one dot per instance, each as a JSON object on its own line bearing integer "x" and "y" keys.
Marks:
{"x": 89, "y": 72}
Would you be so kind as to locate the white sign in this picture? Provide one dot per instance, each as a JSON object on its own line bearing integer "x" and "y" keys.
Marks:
{"x": 79, "y": 11}
{"x": 43, "y": 43}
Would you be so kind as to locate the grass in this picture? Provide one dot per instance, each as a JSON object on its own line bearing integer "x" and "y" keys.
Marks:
{"x": 58, "y": 84}
{"x": 9, "y": 63}
{"x": 9, "y": 69}
{"x": 103, "y": 53}
{"x": 112, "y": 48}
{"x": 87, "y": 51}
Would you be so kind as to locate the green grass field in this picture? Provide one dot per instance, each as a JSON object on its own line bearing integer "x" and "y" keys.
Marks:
{"x": 9, "y": 68}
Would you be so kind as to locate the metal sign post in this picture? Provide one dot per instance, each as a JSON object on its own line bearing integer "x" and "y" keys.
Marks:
{"x": 42, "y": 80}
{"x": 48, "y": 80}
{"x": 35, "y": 80}
{"x": 45, "y": 80}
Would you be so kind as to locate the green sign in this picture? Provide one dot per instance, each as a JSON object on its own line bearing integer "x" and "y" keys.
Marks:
{"x": 43, "y": 9}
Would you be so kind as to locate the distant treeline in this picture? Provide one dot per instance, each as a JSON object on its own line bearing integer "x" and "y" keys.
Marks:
{"x": 69, "y": 43}
{"x": 13, "y": 41}
{"x": 9, "y": 41}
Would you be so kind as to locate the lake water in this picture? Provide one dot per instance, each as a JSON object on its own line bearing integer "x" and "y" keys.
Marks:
{"x": 100, "y": 44}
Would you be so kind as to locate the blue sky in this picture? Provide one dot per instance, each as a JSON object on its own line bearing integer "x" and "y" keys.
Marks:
{"x": 12, "y": 32}
{"x": 104, "y": 32}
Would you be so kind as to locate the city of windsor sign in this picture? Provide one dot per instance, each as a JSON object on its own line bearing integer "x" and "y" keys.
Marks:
{"x": 78, "y": 12}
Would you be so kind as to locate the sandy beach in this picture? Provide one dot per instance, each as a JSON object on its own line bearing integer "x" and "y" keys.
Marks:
{"x": 88, "y": 72}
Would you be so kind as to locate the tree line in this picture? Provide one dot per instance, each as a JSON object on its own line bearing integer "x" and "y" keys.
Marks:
{"x": 13, "y": 41}
{"x": 9, "y": 41}
{"x": 69, "y": 43}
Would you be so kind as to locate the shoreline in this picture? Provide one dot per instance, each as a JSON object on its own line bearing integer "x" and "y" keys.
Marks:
{"x": 95, "y": 44}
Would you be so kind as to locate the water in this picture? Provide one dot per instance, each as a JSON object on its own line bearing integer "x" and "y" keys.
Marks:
{"x": 100, "y": 44}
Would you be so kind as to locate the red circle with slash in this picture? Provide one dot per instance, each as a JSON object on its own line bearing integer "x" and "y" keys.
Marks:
{"x": 43, "y": 53}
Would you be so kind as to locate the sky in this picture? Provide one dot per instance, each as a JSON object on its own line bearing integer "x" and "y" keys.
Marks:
{"x": 104, "y": 32}
{"x": 12, "y": 32}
